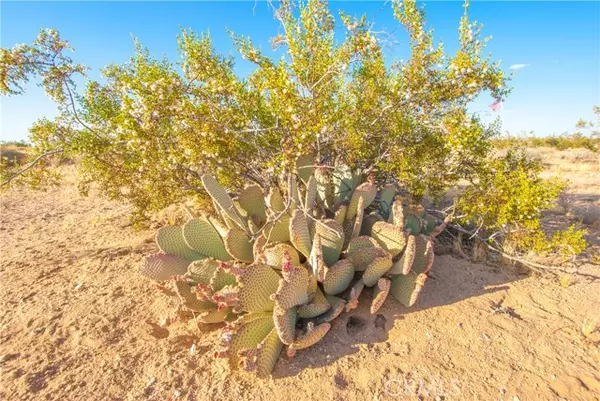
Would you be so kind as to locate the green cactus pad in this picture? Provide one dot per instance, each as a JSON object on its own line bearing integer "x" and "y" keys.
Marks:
{"x": 293, "y": 287}
{"x": 200, "y": 235}
{"x": 312, "y": 336}
{"x": 412, "y": 222}
{"x": 247, "y": 332}
{"x": 222, "y": 278}
{"x": 430, "y": 224}
{"x": 238, "y": 245}
{"x": 324, "y": 187}
{"x": 386, "y": 197}
{"x": 406, "y": 288}
{"x": 222, "y": 199}
{"x": 363, "y": 257}
{"x": 304, "y": 167}
{"x": 311, "y": 194}
{"x": 368, "y": 221}
{"x": 170, "y": 241}
{"x": 285, "y": 323}
{"x": 257, "y": 283}
{"x": 293, "y": 193}
{"x": 316, "y": 307}
{"x": 340, "y": 213}
{"x": 273, "y": 255}
{"x": 424, "y": 254}
{"x": 367, "y": 191}
{"x": 377, "y": 268}
{"x": 358, "y": 219}
{"x": 214, "y": 315}
{"x": 278, "y": 231}
{"x": 380, "y": 293}
{"x": 390, "y": 237}
{"x": 315, "y": 260}
{"x": 275, "y": 201}
{"x": 405, "y": 263}
{"x": 343, "y": 183}
{"x": 338, "y": 277}
{"x": 337, "y": 305}
{"x": 189, "y": 299}
{"x": 361, "y": 242}
{"x": 262, "y": 359}
{"x": 258, "y": 246}
{"x": 252, "y": 201}
{"x": 221, "y": 228}
{"x": 202, "y": 271}
{"x": 397, "y": 214}
{"x": 332, "y": 239}
{"x": 299, "y": 234}
{"x": 354, "y": 294}
{"x": 161, "y": 267}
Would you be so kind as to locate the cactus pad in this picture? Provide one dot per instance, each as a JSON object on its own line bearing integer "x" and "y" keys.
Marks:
{"x": 338, "y": 277}
{"x": 262, "y": 359}
{"x": 337, "y": 307}
{"x": 386, "y": 197}
{"x": 404, "y": 264}
{"x": 285, "y": 323}
{"x": 332, "y": 239}
{"x": 275, "y": 201}
{"x": 312, "y": 336}
{"x": 299, "y": 234}
{"x": 368, "y": 221}
{"x": 162, "y": 267}
{"x": 377, "y": 268}
{"x": 274, "y": 255}
{"x": 278, "y": 231}
{"x": 247, "y": 332}
{"x": 293, "y": 288}
{"x": 257, "y": 282}
{"x": 170, "y": 241}
{"x": 238, "y": 245}
{"x": 305, "y": 167}
{"x": 200, "y": 235}
{"x": 316, "y": 307}
{"x": 390, "y": 237}
{"x": 423, "y": 254}
{"x": 363, "y": 241}
{"x": 367, "y": 191}
{"x": 253, "y": 202}
{"x": 406, "y": 288}
{"x": 221, "y": 199}
{"x": 380, "y": 294}
{"x": 354, "y": 294}
{"x": 363, "y": 257}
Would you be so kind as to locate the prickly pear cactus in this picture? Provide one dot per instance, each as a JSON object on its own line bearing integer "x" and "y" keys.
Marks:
{"x": 279, "y": 264}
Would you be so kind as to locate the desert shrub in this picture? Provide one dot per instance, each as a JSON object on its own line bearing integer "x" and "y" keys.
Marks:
{"x": 508, "y": 197}
{"x": 151, "y": 129}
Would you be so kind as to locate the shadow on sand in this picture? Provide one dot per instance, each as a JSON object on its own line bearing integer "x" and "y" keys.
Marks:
{"x": 451, "y": 280}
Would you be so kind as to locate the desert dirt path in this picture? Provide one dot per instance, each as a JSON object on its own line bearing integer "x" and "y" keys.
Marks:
{"x": 79, "y": 323}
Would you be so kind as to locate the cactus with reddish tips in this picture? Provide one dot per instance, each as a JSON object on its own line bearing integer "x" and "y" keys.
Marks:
{"x": 281, "y": 263}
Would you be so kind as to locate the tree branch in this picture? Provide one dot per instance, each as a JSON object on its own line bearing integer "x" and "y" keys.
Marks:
{"x": 30, "y": 165}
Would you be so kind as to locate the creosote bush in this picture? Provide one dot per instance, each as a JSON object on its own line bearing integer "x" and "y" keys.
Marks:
{"x": 151, "y": 129}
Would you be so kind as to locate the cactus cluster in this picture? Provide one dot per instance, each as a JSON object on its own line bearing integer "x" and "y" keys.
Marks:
{"x": 270, "y": 265}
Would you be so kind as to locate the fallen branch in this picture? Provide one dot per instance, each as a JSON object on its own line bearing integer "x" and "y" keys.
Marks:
{"x": 528, "y": 263}
{"x": 30, "y": 165}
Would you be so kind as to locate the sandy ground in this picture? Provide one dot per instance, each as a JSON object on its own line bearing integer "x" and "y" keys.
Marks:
{"x": 79, "y": 323}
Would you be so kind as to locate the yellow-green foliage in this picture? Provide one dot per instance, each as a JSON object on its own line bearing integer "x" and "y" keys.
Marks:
{"x": 150, "y": 129}
{"x": 509, "y": 195}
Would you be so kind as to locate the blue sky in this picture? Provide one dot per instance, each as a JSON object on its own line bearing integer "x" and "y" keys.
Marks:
{"x": 556, "y": 44}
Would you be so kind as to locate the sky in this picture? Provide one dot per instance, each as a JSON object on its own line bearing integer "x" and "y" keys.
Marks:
{"x": 552, "y": 47}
